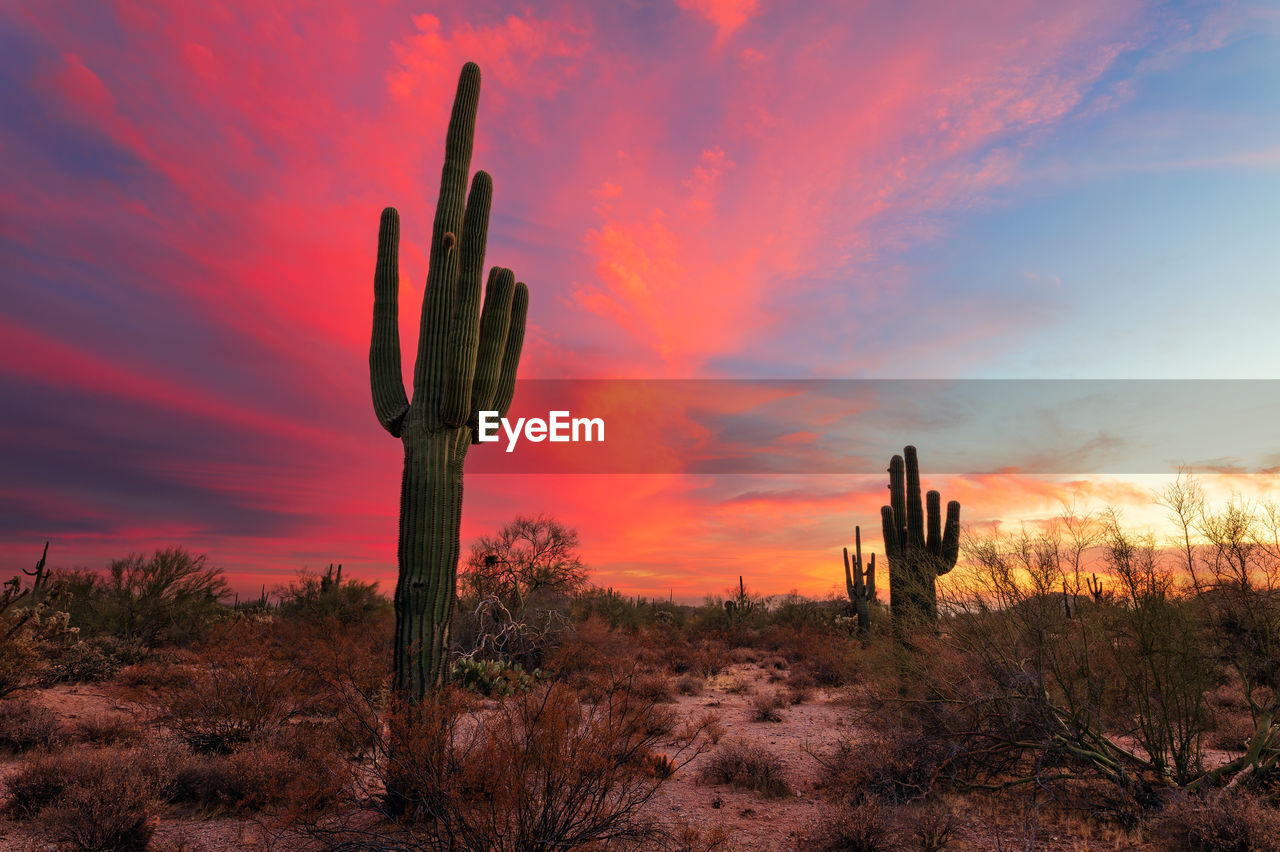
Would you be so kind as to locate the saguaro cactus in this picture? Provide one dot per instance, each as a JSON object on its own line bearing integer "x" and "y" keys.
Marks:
{"x": 860, "y": 584}
{"x": 41, "y": 575}
{"x": 466, "y": 363}
{"x": 916, "y": 561}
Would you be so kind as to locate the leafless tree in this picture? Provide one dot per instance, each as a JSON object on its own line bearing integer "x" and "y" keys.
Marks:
{"x": 527, "y": 556}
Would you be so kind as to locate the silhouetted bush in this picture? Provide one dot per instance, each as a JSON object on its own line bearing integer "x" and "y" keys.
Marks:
{"x": 170, "y": 597}
{"x": 329, "y": 596}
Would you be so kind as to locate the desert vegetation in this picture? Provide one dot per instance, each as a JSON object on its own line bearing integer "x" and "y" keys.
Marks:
{"x": 1084, "y": 685}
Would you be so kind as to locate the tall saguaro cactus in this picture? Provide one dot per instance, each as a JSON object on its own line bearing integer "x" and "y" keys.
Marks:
{"x": 916, "y": 560}
{"x": 859, "y": 584}
{"x": 467, "y": 358}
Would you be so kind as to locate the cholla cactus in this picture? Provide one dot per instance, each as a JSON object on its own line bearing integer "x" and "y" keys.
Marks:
{"x": 466, "y": 364}
{"x": 860, "y": 583}
{"x": 26, "y": 624}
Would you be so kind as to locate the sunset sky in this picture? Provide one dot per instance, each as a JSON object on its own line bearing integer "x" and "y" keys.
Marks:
{"x": 696, "y": 189}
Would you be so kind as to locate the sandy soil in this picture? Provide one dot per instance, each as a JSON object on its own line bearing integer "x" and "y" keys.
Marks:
{"x": 752, "y": 821}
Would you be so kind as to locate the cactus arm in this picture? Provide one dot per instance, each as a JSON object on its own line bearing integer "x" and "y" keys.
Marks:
{"x": 495, "y": 323}
{"x": 933, "y": 515}
{"x": 951, "y": 538}
{"x": 898, "y": 501}
{"x": 848, "y": 576}
{"x": 432, "y": 365}
{"x": 515, "y": 343}
{"x": 389, "y": 401}
{"x": 871, "y": 579}
{"x": 892, "y": 549}
{"x": 38, "y": 571}
{"x": 859, "y": 586}
{"x": 465, "y": 332}
{"x": 915, "y": 512}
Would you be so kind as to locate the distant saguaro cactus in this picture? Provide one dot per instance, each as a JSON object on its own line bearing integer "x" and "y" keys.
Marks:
{"x": 330, "y": 583}
{"x": 916, "y": 561}
{"x": 41, "y": 575}
{"x": 466, "y": 364}
{"x": 859, "y": 584}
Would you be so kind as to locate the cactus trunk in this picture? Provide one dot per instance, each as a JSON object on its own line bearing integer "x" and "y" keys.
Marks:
{"x": 467, "y": 359}
{"x": 430, "y": 521}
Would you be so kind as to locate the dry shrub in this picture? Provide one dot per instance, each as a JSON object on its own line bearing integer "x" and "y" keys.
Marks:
{"x": 653, "y": 686}
{"x": 228, "y": 701}
{"x": 98, "y": 800}
{"x": 864, "y": 828}
{"x": 690, "y": 837}
{"x": 690, "y": 684}
{"x": 747, "y": 768}
{"x": 898, "y": 765}
{"x": 25, "y": 725}
{"x": 742, "y": 656}
{"x": 160, "y": 673}
{"x": 1232, "y": 730}
{"x": 254, "y": 779}
{"x": 707, "y": 724}
{"x": 798, "y": 694}
{"x": 107, "y": 729}
{"x": 542, "y": 770}
{"x": 830, "y": 659}
{"x": 765, "y": 707}
{"x": 799, "y": 680}
{"x": 932, "y": 825}
{"x": 593, "y": 650}
{"x": 1228, "y": 821}
{"x": 706, "y": 658}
